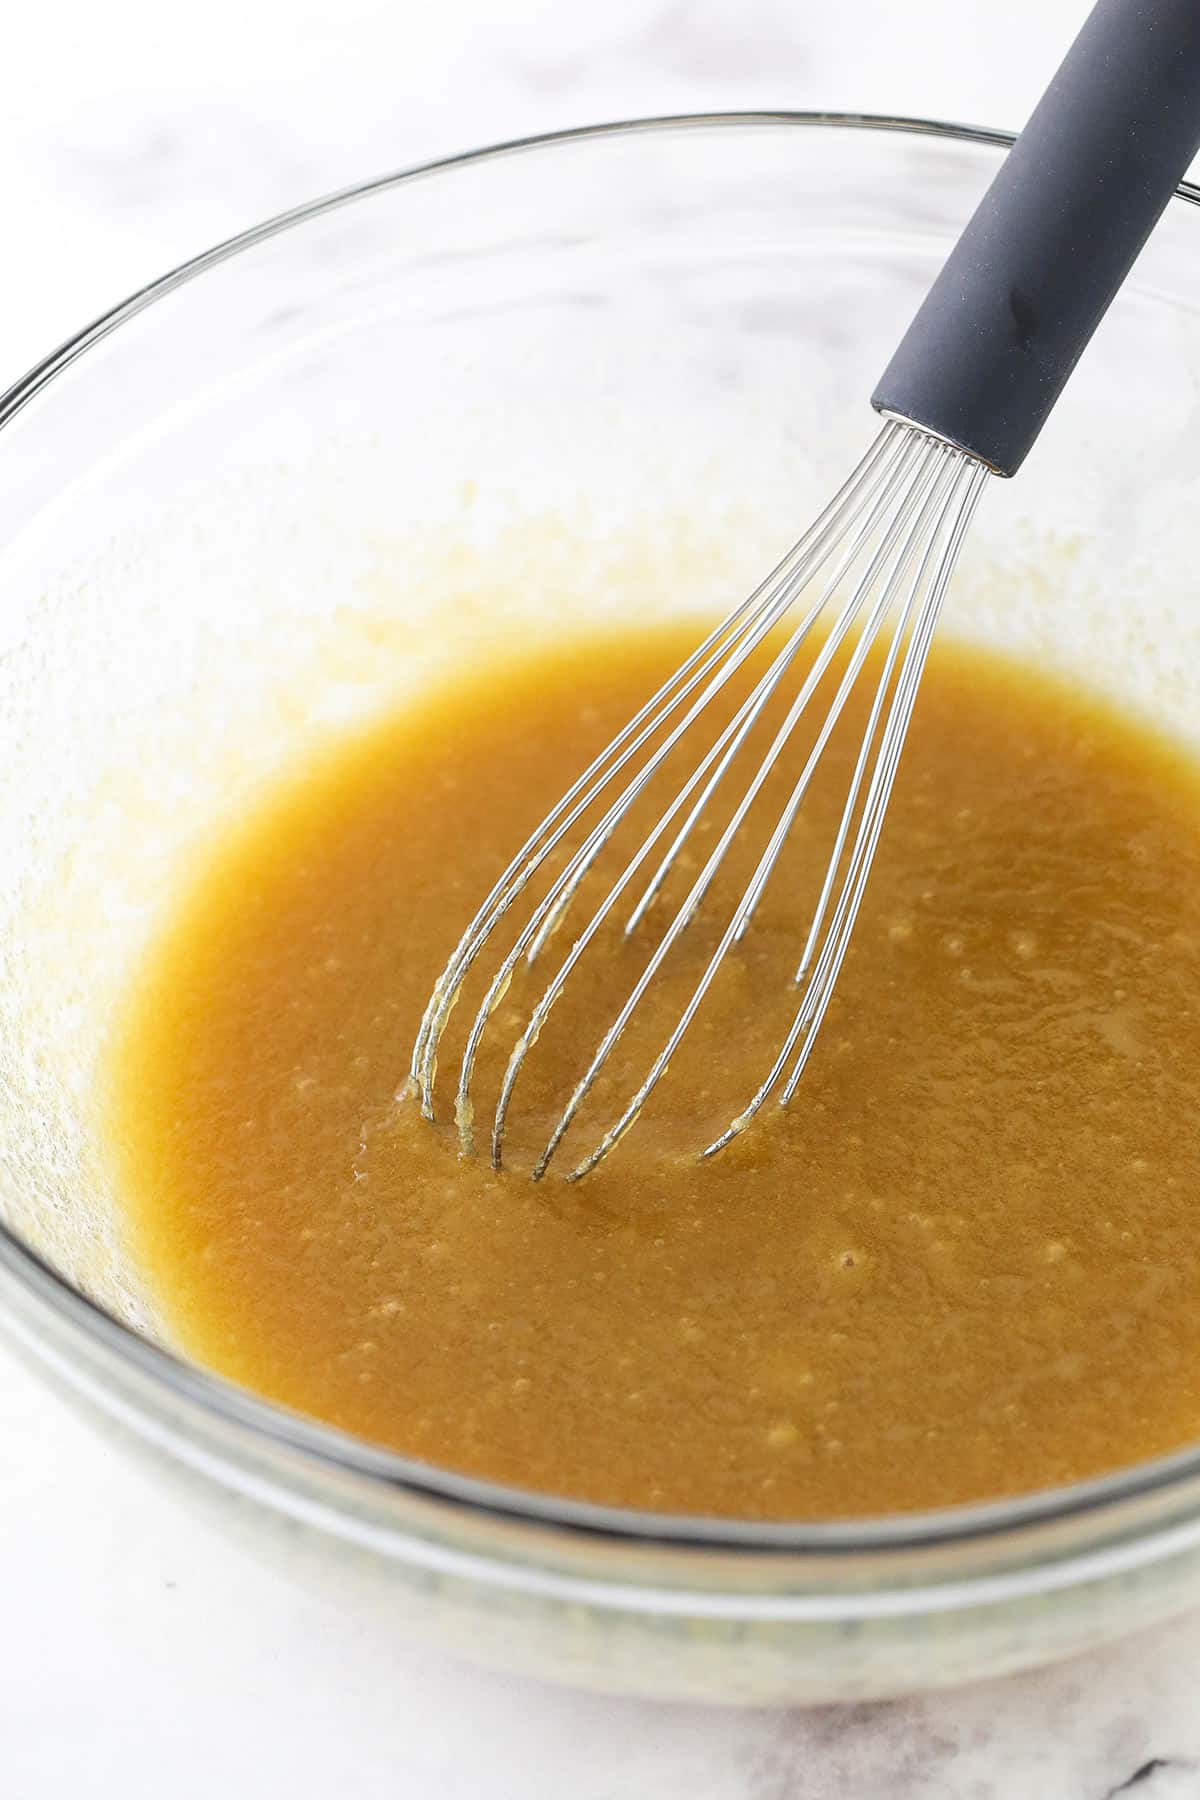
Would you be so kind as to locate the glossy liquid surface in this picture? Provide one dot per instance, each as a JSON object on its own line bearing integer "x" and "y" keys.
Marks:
{"x": 965, "y": 1262}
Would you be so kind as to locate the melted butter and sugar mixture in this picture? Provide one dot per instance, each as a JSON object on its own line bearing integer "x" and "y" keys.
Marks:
{"x": 964, "y": 1262}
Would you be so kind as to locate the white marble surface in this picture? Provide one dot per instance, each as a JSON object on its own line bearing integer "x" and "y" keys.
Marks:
{"x": 139, "y": 1654}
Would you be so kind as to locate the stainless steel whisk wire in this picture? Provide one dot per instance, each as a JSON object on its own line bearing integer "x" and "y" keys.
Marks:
{"x": 968, "y": 390}
{"x": 909, "y": 492}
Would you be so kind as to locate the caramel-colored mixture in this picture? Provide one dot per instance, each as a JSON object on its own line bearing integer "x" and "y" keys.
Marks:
{"x": 964, "y": 1262}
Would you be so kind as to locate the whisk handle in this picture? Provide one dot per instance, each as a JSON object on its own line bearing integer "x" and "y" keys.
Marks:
{"x": 1054, "y": 237}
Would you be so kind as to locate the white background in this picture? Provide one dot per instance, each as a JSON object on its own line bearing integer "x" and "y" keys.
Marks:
{"x": 139, "y": 1654}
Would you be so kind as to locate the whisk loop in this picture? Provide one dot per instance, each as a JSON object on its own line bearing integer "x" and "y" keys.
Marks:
{"x": 887, "y": 544}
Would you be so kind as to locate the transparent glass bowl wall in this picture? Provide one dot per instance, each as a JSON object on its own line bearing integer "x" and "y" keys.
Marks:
{"x": 602, "y": 374}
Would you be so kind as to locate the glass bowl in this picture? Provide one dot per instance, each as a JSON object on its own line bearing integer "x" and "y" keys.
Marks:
{"x": 609, "y": 371}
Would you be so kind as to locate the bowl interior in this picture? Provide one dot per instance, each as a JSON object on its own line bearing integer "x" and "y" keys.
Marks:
{"x": 593, "y": 380}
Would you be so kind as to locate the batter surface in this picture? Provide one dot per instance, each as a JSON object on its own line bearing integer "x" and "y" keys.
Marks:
{"x": 964, "y": 1263}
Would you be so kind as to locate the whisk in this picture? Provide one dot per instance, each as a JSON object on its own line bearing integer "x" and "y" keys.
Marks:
{"x": 965, "y": 395}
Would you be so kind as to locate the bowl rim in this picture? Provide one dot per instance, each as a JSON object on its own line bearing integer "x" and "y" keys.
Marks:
{"x": 204, "y": 1395}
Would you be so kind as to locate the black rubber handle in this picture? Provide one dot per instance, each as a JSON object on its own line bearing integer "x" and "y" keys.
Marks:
{"x": 1055, "y": 235}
